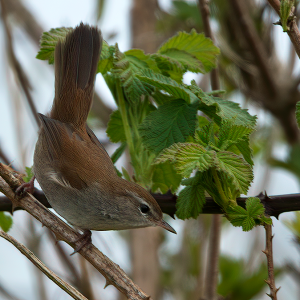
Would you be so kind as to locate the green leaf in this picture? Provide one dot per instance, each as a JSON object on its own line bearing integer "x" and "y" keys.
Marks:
{"x": 115, "y": 128}
{"x": 298, "y": 113}
{"x": 194, "y": 51}
{"x": 29, "y": 174}
{"x": 254, "y": 207}
{"x": 232, "y": 134}
{"x": 48, "y": 42}
{"x": 245, "y": 149}
{"x": 205, "y": 135}
{"x": 167, "y": 84}
{"x": 171, "y": 123}
{"x": 106, "y": 60}
{"x": 238, "y": 171}
{"x": 220, "y": 109}
{"x": 127, "y": 67}
{"x": 193, "y": 156}
{"x": 118, "y": 153}
{"x": 169, "y": 67}
{"x": 161, "y": 98}
{"x": 249, "y": 217}
{"x": 6, "y": 221}
{"x": 190, "y": 202}
{"x": 165, "y": 178}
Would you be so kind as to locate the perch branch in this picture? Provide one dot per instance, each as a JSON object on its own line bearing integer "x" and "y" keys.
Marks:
{"x": 113, "y": 273}
{"x": 274, "y": 205}
{"x": 52, "y": 276}
{"x": 269, "y": 253}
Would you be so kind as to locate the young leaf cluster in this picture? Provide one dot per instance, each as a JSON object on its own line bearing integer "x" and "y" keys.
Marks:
{"x": 177, "y": 134}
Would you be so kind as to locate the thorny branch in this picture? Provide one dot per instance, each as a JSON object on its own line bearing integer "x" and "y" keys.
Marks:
{"x": 113, "y": 273}
{"x": 274, "y": 205}
{"x": 269, "y": 253}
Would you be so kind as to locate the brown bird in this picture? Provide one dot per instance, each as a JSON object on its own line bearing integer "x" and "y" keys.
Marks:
{"x": 72, "y": 167}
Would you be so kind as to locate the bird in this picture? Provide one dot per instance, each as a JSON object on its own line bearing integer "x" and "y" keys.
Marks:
{"x": 71, "y": 166}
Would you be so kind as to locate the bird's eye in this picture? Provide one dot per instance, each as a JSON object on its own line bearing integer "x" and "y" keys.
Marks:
{"x": 144, "y": 208}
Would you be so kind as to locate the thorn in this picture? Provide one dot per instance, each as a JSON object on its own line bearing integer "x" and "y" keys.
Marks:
{"x": 13, "y": 207}
{"x": 267, "y": 281}
{"x": 269, "y": 295}
{"x": 277, "y": 290}
{"x": 107, "y": 283}
{"x": 265, "y": 251}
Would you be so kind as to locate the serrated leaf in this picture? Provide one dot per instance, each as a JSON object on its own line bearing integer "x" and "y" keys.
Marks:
{"x": 220, "y": 109}
{"x": 194, "y": 51}
{"x": 244, "y": 147}
{"x": 248, "y": 224}
{"x": 127, "y": 67}
{"x": 190, "y": 202}
{"x": 115, "y": 128}
{"x": 232, "y": 134}
{"x": 191, "y": 157}
{"x": 236, "y": 170}
{"x": 298, "y": 113}
{"x": 205, "y": 135}
{"x": 166, "y": 84}
{"x": 6, "y": 221}
{"x": 171, "y": 123}
{"x": 48, "y": 42}
{"x": 165, "y": 178}
{"x": 168, "y": 154}
{"x": 254, "y": 207}
{"x": 251, "y": 216}
{"x": 169, "y": 67}
{"x": 106, "y": 58}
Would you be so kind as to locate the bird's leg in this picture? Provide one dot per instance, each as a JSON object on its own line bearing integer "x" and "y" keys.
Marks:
{"x": 26, "y": 187}
{"x": 84, "y": 240}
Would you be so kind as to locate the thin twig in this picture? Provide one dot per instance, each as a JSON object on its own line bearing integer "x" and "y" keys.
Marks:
{"x": 293, "y": 33}
{"x": 269, "y": 253}
{"x": 17, "y": 67}
{"x": 113, "y": 273}
{"x": 51, "y": 275}
{"x": 211, "y": 281}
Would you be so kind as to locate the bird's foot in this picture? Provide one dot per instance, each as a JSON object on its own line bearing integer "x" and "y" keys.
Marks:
{"x": 26, "y": 187}
{"x": 84, "y": 240}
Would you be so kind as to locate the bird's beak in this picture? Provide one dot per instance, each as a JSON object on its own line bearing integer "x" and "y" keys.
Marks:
{"x": 165, "y": 225}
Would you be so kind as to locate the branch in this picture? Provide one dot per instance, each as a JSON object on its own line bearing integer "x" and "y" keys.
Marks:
{"x": 269, "y": 253}
{"x": 293, "y": 33}
{"x": 61, "y": 283}
{"x": 274, "y": 205}
{"x": 113, "y": 273}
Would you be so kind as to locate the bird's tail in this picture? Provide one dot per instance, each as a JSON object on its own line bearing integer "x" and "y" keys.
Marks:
{"x": 76, "y": 59}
